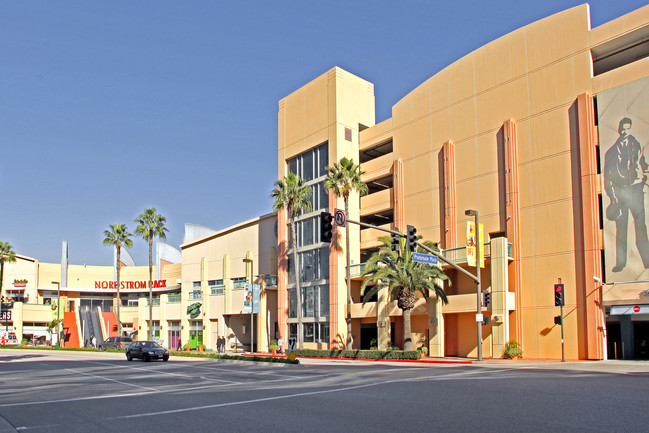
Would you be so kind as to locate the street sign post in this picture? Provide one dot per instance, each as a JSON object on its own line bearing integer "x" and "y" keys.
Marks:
{"x": 425, "y": 258}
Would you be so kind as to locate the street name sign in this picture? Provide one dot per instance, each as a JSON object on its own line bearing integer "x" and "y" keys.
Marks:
{"x": 425, "y": 258}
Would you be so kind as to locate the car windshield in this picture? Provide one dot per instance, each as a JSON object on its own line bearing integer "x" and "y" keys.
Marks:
{"x": 150, "y": 344}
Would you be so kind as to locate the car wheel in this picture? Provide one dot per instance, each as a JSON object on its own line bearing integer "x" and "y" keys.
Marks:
{"x": 129, "y": 357}
{"x": 165, "y": 359}
{"x": 145, "y": 357}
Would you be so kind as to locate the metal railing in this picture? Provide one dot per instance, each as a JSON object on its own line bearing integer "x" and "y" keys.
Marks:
{"x": 156, "y": 301}
{"x": 217, "y": 290}
{"x": 239, "y": 284}
{"x": 175, "y": 299}
{"x": 196, "y": 294}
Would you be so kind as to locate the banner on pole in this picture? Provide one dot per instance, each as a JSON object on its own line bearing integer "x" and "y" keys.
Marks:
{"x": 471, "y": 244}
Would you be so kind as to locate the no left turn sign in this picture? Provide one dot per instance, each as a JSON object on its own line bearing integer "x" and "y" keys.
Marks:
{"x": 340, "y": 218}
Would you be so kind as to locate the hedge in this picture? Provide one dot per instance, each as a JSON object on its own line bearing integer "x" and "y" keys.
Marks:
{"x": 359, "y": 354}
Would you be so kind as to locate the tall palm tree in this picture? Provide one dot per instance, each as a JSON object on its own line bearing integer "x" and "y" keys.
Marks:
{"x": 293, "y": 195}
{"x": 7, "y": 254}
{"x": 404, "y": 278}
{"x": 151, "y": 225}
{"x": 343, "y": 178}
{"x": 118, "y": 236}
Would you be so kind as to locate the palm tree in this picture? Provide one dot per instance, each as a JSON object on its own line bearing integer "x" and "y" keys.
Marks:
{"x": 150, "y": 224}
{"x": 118, "y": 236}
{"x": 293, "y": 195}
{"x": 343, "y": 178}
{"x": 7, "y": 254}
{"x": 404, "y": 278}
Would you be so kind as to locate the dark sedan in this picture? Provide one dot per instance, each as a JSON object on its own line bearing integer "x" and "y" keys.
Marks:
{"x": 146, "y": 351}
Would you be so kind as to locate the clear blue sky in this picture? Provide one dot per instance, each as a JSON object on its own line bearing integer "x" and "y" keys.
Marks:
{"x": 111, "y": 107}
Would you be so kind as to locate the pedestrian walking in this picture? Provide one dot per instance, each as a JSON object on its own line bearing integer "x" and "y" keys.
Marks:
{"x": 94, "y": 342}
{"x": 218, "y": 344}
{"x": 280, "y": 343}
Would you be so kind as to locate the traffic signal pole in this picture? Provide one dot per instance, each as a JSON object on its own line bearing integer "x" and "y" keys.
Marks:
{"x": 419, "y": 244}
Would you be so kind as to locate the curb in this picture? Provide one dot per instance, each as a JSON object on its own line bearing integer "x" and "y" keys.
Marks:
{"x": 411, "y": 361}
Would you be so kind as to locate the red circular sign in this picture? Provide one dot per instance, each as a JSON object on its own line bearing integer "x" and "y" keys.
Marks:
{"x": 636, "y": 308}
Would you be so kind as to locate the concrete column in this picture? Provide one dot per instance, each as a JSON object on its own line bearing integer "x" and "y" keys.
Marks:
{"x": 164, "y": 330}
{"x": 499, "y": 288}
{"x": 205, "y": 313}
{"x": 383, "y": 318}
{"x": 626, "y": 332}
{"x": 435, "y": 327}
{"x": 227, "y": 290}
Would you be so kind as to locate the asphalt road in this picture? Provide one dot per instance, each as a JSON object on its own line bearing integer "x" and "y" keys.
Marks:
{"x": 102, "y": 392}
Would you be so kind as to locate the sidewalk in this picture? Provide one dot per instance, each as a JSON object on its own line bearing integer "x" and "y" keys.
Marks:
{"x": 610, "y": 366}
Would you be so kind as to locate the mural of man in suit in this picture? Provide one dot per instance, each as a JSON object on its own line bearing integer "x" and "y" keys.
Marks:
{"x": 625, "y": 176}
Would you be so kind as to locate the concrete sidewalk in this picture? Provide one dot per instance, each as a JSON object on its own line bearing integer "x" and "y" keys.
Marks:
{"x": 610, "y": 366}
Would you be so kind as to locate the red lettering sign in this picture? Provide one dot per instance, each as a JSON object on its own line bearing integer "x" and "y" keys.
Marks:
{"x": 129, "y": 284}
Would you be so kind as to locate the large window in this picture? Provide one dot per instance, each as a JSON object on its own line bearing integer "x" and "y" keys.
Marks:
{"x": 313, "y": 256}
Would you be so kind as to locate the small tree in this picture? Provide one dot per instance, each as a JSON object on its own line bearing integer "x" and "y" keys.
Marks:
{"x": 151, "y": 225}
{"x": 118, "y": 236}
{"x": 404, "y": 278}
{"x": 343, "y": 178}
{"x": 8, "y": 255}
{"x": 293, "y": 195}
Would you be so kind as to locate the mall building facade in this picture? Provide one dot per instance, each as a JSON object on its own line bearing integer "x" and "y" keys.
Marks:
{"x": 542, "y": 132}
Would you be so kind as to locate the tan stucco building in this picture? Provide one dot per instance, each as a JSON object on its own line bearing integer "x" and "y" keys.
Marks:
{"x": 512, "y": 131}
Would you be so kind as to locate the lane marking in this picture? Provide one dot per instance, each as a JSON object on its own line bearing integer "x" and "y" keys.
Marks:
{"x": 112, "y": 380}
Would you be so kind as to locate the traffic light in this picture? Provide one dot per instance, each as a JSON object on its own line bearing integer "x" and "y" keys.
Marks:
{"x": 394, "y": 243}
{"x": 486, "y": 298}
{"x": 326, "y": 227}
{"x": 558, "y": 320}
{"x": 559, "y": 298}
{"x": 412, "y": 239}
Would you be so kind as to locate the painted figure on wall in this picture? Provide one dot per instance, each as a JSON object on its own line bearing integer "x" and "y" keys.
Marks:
{"x": 625, "y": 178}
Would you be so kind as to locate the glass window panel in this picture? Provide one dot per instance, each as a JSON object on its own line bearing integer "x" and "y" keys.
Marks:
{"x": 324, "y": 332}
{"x": 307, "y": 166}
{"x": 323, "y": 159}
{"x": 292, "y": 303}
{"x": 324, "y": 263}
{"x": 323, "y": 196}
{"x": 289, "y": 266}
{"x": 308, "y": 332}
{"x": 309, "y": 301}
{"x": 292, "y": 165}
{"x": 307, "y": 265}
{"x": 323, "y": 307}
{"x": 292, "y": 330}
{"x": 307, "y": 232}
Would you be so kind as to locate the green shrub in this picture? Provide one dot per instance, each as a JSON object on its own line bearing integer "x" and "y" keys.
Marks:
{"x": 513, "y": 349}
{"x": 359, "y": 354}
{"x": 273, "y": 345}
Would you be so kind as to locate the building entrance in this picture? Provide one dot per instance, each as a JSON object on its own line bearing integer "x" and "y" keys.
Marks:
{"x": 628, "y": 337}
{"x": 369, "y": 336}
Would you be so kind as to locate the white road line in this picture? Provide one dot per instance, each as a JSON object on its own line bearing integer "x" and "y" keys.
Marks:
{"x": 280, "y": 397}
{"x": 112, "y": 380}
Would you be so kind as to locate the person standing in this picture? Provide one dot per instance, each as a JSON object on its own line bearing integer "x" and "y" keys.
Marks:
{"x": 218, "y": 344}
{"x": 280, "y": 344}
{"x": 625, "y": 176}
{"x": 94, "y": 342}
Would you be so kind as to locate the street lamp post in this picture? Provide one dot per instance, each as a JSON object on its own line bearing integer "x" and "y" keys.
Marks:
{"x": 474, "y": 213}
{"x": 58, "y": 313}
